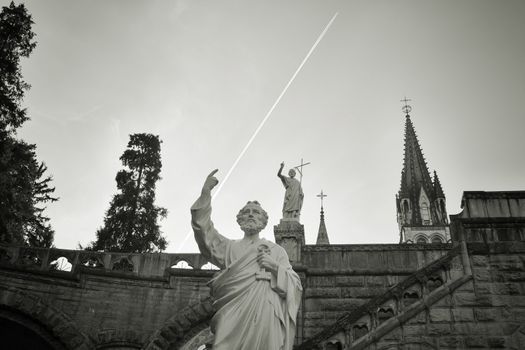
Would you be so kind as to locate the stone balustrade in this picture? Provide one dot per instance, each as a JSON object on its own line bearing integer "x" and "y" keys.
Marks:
{"x": 65, "y": 261}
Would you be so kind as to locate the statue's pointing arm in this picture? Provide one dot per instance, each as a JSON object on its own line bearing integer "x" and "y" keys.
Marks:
{"x": 211, "y": 244}
{"x": 281, "y": 176}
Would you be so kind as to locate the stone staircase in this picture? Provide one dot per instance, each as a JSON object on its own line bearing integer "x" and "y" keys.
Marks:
{"x": 370, "y": 322}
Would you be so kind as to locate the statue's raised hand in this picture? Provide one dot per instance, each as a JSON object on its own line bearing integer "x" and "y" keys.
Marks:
{"x": 210, "y": 182}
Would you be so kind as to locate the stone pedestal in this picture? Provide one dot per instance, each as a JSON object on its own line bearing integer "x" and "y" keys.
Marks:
{"x": 289, "y": 234}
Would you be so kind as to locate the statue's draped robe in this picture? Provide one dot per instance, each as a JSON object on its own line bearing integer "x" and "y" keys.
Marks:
{"x": 293, "y": 197}
{"x": 251, "y": 314}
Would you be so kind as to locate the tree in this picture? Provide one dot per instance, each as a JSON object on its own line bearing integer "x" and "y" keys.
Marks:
{"x": 131, "y": 224}
{"x": 16, "y": 41}
{"x": 24, "y": 188}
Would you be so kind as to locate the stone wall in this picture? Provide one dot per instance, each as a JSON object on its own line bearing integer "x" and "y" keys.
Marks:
{"x": 341, "y": 278}
{"x": 472, "y": 297}
{"x": 487, "y": 312}
{"x": 107, "y": 306}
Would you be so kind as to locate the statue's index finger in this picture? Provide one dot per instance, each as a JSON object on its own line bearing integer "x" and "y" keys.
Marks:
{"x": 213, "y": 172}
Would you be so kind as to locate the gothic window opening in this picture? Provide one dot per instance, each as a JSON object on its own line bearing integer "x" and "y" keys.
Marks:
{"x": 406, "y": 208}
{"x": 421, "y": 240}
{"x": 425, "y": 214}
{"x": 436, "y": 239}
{"x": 384, "y": 313}
{"x": 410, "y": 298}
{"x": 434, "y": 282}
{"x": 360, "y": 330}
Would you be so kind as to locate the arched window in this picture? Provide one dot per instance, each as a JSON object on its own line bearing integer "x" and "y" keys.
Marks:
{"x": 425, "y": 214}
{"x": 437, "y": 239}
{"x": 406, "y": 209}
{"x": 384, "y": 313}
{"x": 360, "y": 330}
{"x": 410, "y": 297}
{"x": 421, "y": 240}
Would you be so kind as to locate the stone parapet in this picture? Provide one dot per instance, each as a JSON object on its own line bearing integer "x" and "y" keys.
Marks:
{"x": 147, "y": 265}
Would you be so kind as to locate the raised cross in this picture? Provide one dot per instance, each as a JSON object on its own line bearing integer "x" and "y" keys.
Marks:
{"x": 322, "y": 195}
{"x": 406, "y": 108}
{"x": 300, "y": 168}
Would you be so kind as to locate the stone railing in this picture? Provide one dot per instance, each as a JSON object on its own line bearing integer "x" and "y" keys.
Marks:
{"x": 357, "y": 326}
{"x": 64, "y": 261}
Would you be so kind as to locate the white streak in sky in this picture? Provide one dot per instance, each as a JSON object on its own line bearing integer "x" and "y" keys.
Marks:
{"x": 268, "y": 115}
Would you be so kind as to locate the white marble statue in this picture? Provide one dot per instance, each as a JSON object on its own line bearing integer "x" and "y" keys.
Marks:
{"x": 293, "y": 197}
{"x": 257, "y": 294}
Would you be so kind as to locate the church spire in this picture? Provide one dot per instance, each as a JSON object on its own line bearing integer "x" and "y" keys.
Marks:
{"x": 322, "y": 235}
{"x": 438, "y": 190}
{"x": 415, "y": 174}
{"x": 420, "y": 202}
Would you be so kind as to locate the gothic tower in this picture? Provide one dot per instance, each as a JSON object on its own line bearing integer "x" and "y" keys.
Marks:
{"x": 421, "y": 209}
{"x": 322, "y": 234}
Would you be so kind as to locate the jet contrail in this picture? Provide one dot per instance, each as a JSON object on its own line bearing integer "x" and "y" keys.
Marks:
{"x": 268, "y": 114}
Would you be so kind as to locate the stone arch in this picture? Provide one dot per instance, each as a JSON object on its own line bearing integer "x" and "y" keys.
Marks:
{"x": 437, "y": 238}
{"x": 201, "y": 340}
{"x": 107, "y": 339}
{"x": 410, "y": 297}
{"x": 53, "y": 323}
{"x": 183, "y": 327}
{"x": 421, "y": 239}
{"x": 384, "y": 313}
{"x": 435, "y": 281}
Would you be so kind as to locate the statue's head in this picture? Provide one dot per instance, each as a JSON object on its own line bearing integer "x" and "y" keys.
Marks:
{"x": 291, "y": 173}
{"x": 252, "y": 218}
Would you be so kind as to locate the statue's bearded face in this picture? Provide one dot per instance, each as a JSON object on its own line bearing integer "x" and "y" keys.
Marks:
{"x": 252, "y": 218}
{"x": 291, "y": 173}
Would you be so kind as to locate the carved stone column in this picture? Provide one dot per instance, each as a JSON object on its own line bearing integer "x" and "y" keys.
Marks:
{"x": 289, "y": 234}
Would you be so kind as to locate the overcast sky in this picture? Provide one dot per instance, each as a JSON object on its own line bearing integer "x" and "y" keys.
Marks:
{"x": 203, "y": 74}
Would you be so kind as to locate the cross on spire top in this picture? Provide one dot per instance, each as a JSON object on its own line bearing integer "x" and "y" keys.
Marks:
{"x": 322, "y": 195}
{"x": 406, "y": 107}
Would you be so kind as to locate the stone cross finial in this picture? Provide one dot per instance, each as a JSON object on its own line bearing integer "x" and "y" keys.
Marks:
{"x": 322, "y": 195}
{"x": 406, "y": 108}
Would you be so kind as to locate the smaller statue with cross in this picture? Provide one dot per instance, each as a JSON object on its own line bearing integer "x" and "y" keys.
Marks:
{"x": 293, "y": 197}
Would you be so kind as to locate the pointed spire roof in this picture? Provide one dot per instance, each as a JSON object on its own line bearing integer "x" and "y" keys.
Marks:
{"x": 322, "y": 235}
{"x": 438, "y": 190}
{"x": 415, "y": 172}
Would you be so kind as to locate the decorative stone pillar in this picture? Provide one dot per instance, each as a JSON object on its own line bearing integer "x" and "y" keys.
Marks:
{"x": 289, "y": 234}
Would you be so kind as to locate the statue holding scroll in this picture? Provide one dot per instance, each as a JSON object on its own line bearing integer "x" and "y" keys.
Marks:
{"x": 257, "y": 294}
